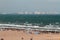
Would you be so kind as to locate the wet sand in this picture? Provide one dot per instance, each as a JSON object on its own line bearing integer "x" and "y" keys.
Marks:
{"x": 23, "y": 35}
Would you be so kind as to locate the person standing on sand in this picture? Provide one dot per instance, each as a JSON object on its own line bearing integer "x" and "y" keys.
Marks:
{"x": 1, "y": 39}
{"x": 31, "y": 39}
{"x": 22, "y": 38}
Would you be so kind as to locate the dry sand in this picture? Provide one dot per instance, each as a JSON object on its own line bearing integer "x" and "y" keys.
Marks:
{"x": 23, "y": 35}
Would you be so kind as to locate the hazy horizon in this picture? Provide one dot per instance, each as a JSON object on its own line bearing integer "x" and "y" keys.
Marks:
{"x": 29, "y": 5}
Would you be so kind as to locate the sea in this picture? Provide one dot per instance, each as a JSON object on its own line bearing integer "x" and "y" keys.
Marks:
{"x": 41, "y": 19}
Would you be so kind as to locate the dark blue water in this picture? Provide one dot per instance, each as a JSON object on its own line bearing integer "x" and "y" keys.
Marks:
{"x": 38, "y": 19}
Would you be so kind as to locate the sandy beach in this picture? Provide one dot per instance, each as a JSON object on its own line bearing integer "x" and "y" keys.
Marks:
{"x": 23, "y": 35}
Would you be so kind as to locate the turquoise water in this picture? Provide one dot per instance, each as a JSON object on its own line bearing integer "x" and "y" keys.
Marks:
{"x": 38, "y": 19}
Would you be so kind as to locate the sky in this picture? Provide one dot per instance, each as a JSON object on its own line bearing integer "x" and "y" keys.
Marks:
{"x": 29, "y": 5}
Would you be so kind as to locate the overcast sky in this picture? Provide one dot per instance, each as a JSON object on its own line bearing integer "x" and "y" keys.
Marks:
{"x": 29, "y": 5}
